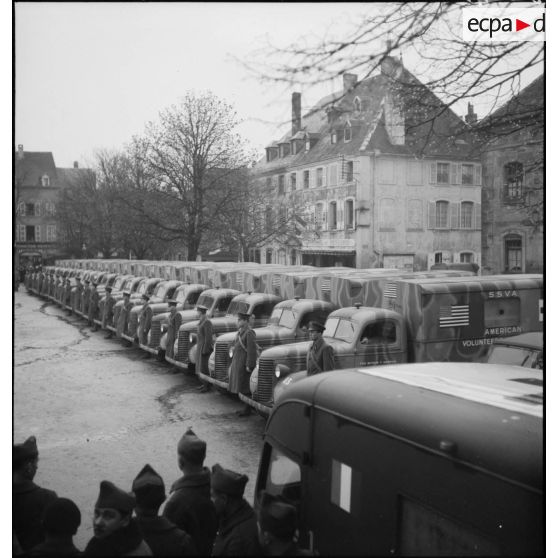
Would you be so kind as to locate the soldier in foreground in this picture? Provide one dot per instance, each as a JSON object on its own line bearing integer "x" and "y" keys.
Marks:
{"x": 204, "y": 345}
{"x": 163, "y": 537}
{"x": 116, "y": 532}
{"x": 320, "y": 356}
{"x": 189, "y": 506}
{"x": 28, "y": 500}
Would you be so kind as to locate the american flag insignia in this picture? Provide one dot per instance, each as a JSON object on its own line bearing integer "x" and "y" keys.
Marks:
{"x": 326, "y": 285}
{"x": 276, "y": 281}
{"x": 452, "y": 316}
{"x": 391, "y": 290}
{"x": 239, "y": 278}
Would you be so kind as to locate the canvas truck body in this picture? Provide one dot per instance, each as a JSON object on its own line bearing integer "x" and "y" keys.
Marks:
{"x": 432, "y": 459}
{"x": 217, "y": 301}
{"x": 163, "y": 290}
{"x": 451, "y": 319}
{"x": 260, "y": 305}
{"x": 288, "y": 323}
{"x": 186, "y": 296}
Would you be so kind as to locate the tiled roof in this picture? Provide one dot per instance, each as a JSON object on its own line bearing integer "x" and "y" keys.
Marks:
{"x": 449, "y": 137}
{"x": 33, "y": 166}
{"x": 69, "y": 177}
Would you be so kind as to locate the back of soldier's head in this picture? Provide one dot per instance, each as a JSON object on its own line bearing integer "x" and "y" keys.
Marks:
{"x": 61, "y": 517}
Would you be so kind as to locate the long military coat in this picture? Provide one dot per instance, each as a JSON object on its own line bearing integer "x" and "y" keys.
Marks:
{"x": 108, "y": 311}
{"x": 76, "y": 300}
{"x": 122, "y": 325}
{"x": 204, "y": 345}
{"x": 319, "y": 358}
{"x": 165, "y": 538}
{"x": 93, "y": 304}
{"x": 144, "y": 324}
{"x": 68, "y": 295}
{"x": 85, "y": 298}
{"x": 238, "y": 534}
{"x": 244, "y": 356}
{"x": 174, "y": 325}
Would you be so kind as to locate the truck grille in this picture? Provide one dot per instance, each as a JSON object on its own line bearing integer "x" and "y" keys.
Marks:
{"x": 265, "y": 380}
{"x": 155, "y": 335}
{"x": 222, "y": 361}
{"x": 183, "y": 346}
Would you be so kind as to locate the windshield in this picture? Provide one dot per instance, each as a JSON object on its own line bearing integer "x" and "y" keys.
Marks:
{"x": 142, "y": 287}
{"x": 118, "y": 283}
{"x": 127, "y": 285}
{"x": 180, "y": 296}
{"x": 519, "y": 356}
{"x": 288, "y": 319}
{"x": 206, "y": 301}
{"x": 237, "y": 306}
{"x": 340, "y": 329}
{"x": 161, "y": 291}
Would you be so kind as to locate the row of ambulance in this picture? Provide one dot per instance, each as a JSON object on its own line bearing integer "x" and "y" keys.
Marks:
{"x": 435, "y": 452}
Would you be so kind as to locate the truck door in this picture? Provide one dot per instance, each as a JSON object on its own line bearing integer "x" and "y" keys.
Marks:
{"x": 380, "y": 342}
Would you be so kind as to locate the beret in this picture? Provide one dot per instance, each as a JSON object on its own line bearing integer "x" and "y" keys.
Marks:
{"x": 191, "y": 447}
{"x": 316, "y": 326}
{"x": 110, "y": 496}
{"x": 62, "y": 516}
{"x": 277, "y": 516}
{"x": 27, "y": 450}
{"x": 228, "y": 482}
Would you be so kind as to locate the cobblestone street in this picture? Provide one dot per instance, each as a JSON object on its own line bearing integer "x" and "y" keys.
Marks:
{"x": 100, "y": 410}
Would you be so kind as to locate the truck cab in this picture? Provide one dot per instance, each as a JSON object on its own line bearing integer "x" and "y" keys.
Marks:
{"x": 428, "y": 459}
{"x": 259, "y": 305}
{"x": 288, "y": 322}
{"x": 217, "y": 301}
{"x": 186, "y": 296}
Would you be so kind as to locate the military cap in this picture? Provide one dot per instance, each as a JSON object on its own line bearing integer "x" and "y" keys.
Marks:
{"x": 145, "y": 296}
{"x": 228, "y": 482}
{"x": 108, "y": 289}
{"x": 27, "y": 450}
{"x": 149, "y": 488}
{"x": 316, "y": 326}
{"x": 191, "y": 447}
{"x": 87, "y": 281}
{"x": 202, "y": 308}
{"x": 94, "y": 283}
{"x": 147, "y": 477}
{"x": 171, "y": 301}
{"x": 62, "y": 517}
{"x": 110, "y": 496}
{"x": 243, "y": 315}
{"x": 126, "y": 293}
{"x": 276, "y": 516}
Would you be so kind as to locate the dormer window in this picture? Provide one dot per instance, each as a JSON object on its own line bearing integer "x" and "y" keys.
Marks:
{"x": 357, "y": 104}
{"x": 285, "y": 149}
{"x": 45, "y": 180}
{"x": 334, "y": 136}
{"x": 271, "y": 153}
{"x": 307, "y": 145}
{"x": 347, "y": 134}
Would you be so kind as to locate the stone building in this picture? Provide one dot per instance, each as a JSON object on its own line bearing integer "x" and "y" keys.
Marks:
{"x": 379, "y": 174}
{"x": 37, "y": 183}
{"x": 513, "y": 184}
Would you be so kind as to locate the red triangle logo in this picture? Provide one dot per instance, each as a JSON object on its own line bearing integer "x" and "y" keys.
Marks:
{"x": 519, "y": 25}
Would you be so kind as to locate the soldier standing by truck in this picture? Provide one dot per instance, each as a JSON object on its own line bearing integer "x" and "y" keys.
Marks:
{"x": 108, "y": 312}
{"x": 204, "y": 345}
{"x": 142, "y": 329}
{"x": 175, "y": 319}
{"x": 93, "y": 306}
{"x": 243, "y": 361}
{"x": 320, "y": 356}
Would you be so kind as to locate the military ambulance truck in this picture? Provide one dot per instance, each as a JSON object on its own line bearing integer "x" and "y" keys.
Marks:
{"x": 449, "y": 319}
{"x": 429, "y": 459}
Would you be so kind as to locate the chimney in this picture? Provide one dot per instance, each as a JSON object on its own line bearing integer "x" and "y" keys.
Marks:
{"x": 76, "y": 165}
{"x": 20, "y": 151}
{"x": 296, "y": 114}
{"x": 471, "y": 116}
{"x": 349, "y": 82}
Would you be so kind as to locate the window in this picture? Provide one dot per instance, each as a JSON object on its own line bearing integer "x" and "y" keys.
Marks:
{"x": 438, "y": 257}
{"x": 293, "y": 258}
{"x": 30, "y": 233}
{"x": 30, "y": 208}
{"x": 332, "y": 175}
{"x": 349, "y": 171}
{"x": 334, "y": 136}
{"x": 381, "y": 332}
{"x": 466, "y": 257}
{"x": 332, "y": 222}
{"x": 467, "y": 215}
{"x": 51, "y": 233}
{"x": 442, "y": 173}
{"x": 281, "y": 184}
{"x": 21, "y": 208}
{"x": 38, "y": 233}
{"x": 467, "y": 174}
{"x": 347, "y": 136}
{"x": 319, "y": 177}
{"x": 45, "y": 180}
{"x": 513, "y": 255}
{"x": 306, "y": 179}
{"x": 20, "y": 233}
{"x": 357, "y": 104}
{"x": 513, "y": 181}
{"x": 293, "y": 181}
{"x": 442, "y": 214}
{"x": 307, "y": 145}
{"x": 269, "y": 256}
{"x": 349, "y": 214}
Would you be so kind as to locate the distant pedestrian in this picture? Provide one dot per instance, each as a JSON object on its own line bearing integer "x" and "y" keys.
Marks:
{"x": 320, "y": 356}
{"x": 108, "y": 312}
{"x": 189, "y": 506}
{"x": 61, "y": 520}
{"x": 116, "y": 533}
{"x": 144, "y": 323}
{"x": 237, "y": 534}
{"x": 277, "y": 526}
{"x": 243, "y": 360}
{"x": 174, "y": 322}
{"x": 28, "y": 500}
{"x": 204, "y": 345}
{"x": 163, "y": 537}
{"x": 93, "y": 309}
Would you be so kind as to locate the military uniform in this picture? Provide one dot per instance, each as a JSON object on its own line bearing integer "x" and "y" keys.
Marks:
{"x": 244, "y": 360}
{"x": 320, "y": 356}
{"x": 108, "y": 310}
{"x": 93, "y": 305}
{"x": 76, "y": 300}
{"x": 175, "y": 320}
{"x": 204, "y": 345}
{"x": 85, "y": 297}
{"x": 144, "y": 324}
{"x": 122, "y": 325}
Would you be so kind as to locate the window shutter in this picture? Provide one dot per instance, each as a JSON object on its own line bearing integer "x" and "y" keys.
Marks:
{"x": 453, "y": 173}
{"x": 433, "y": 173}
{"x": 37, "y": 232}
{"x": 431, "y": 215}
{"x": 340, "y": 222}
{"x": 477, "y": 216}
{"x": 478, "y": 170}
{"x": 454, "y": 215}
{"x": 459, "y": 173}
{"x": 21, "y": 208}
{"x": 356, "y": 169}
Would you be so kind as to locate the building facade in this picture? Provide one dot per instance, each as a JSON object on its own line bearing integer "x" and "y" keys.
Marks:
{"x": 513, "y": 184}
{"x": 380, "y": 174}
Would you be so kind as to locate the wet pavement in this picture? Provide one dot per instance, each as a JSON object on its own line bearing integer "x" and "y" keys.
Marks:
{"x": 101, "y": 411}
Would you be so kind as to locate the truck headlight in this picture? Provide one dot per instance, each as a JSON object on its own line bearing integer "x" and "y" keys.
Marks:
{"x": 281, "y": 370}
{"x": 231, "y": 351}
{"x": 192, "y": 338}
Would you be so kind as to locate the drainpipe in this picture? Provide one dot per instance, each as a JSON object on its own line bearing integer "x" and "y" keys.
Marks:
{"x": 373, "y": 197}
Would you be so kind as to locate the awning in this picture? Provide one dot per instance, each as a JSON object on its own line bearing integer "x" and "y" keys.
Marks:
{"x": 335, "y": 252}
{"x": 30, "y": 254}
